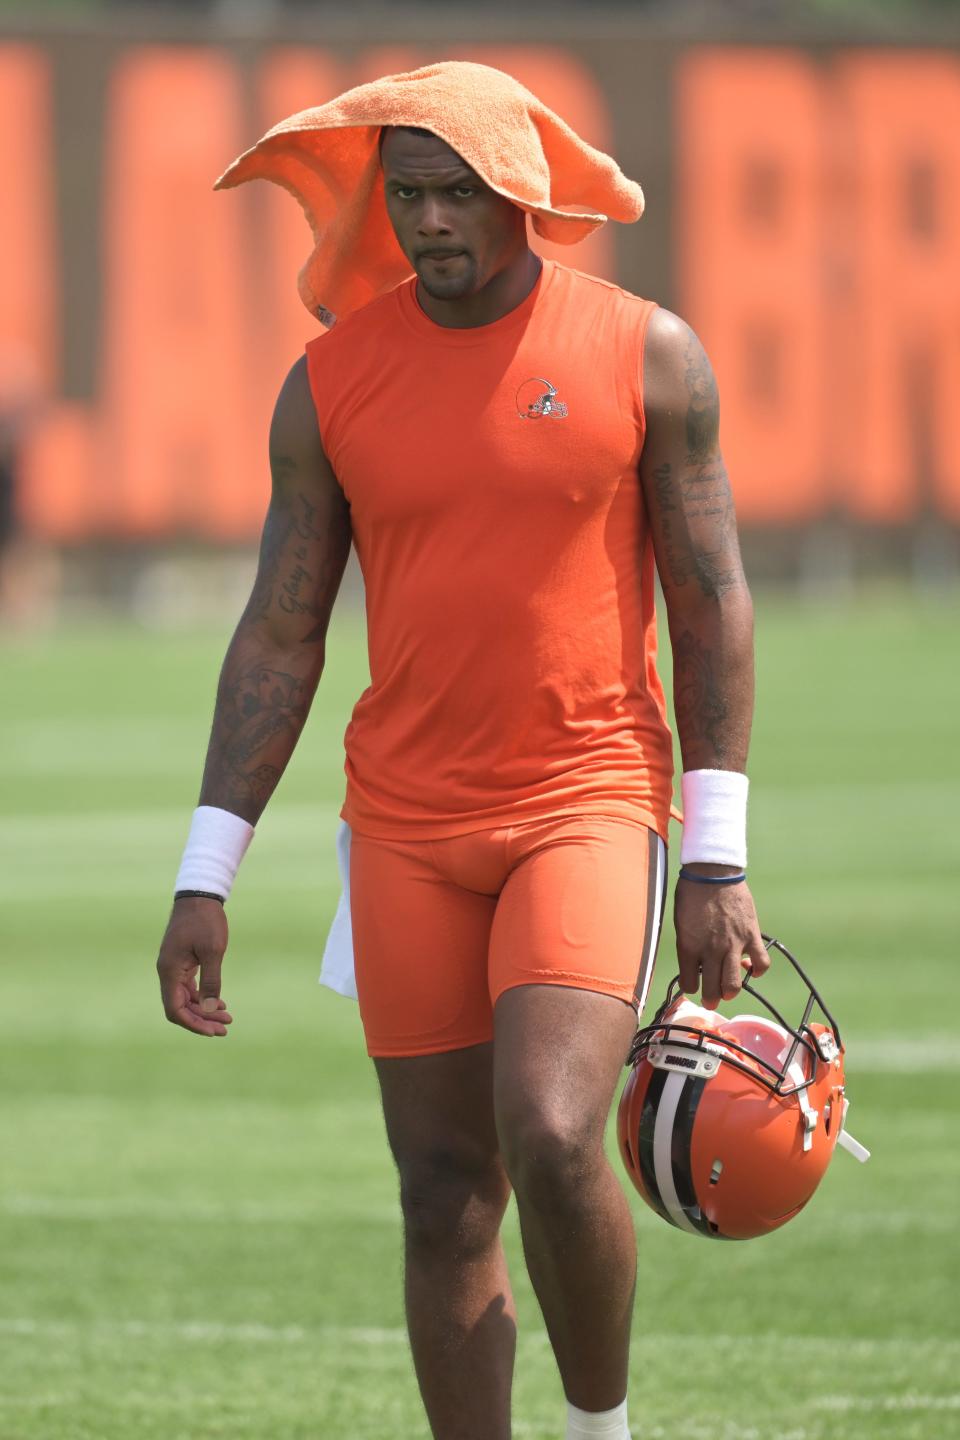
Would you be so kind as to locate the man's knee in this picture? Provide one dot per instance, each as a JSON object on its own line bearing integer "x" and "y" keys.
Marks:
{"x": 550, "y": 1158}
{"x": 452, "y": 1198}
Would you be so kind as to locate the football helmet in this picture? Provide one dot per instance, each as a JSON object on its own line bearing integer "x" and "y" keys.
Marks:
{"x": 727, "y": 1123}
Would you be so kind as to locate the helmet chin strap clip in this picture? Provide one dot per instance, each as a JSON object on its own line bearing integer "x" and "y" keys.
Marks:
{"x": 808, "y": 1116}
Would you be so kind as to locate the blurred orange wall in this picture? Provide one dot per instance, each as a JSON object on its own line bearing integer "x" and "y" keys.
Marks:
{"x": 816, "y": 231}
{"x": 819, "y": 230}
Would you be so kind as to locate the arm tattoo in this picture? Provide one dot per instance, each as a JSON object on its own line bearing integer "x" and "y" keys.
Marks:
{"x": 283, "y": 577}
{"x": 692, "y": 517}
{"x": 703, "y": 412}
{"x": 699, "y": 705}
{"x": 277, "y": 653}
{"x": 258, "y": 709}
{"x": 695, "y": 513}
{"x": 276, "y": 533}
{"x": 704, "y": 495}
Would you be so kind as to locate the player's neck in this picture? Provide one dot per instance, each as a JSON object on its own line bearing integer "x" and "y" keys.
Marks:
{"x": 503, "y": 293}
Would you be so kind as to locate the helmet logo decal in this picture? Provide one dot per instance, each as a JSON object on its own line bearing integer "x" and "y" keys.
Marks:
{"x": 537, "y": 400}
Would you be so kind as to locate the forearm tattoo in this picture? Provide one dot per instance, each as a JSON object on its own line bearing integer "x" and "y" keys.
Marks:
{"x": 699, "y": 704}
{"x": 260, "y": 713}
{"x": 276, "y": 656}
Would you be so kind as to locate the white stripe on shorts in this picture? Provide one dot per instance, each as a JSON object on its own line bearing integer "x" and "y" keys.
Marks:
{"x": 656, "y": 893}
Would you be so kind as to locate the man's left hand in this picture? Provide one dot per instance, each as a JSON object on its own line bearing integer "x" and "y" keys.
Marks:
{"x": 718, "y": 937}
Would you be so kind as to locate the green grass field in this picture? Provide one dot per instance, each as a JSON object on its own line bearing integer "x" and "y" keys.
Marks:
{"x": 201, "y": 1239}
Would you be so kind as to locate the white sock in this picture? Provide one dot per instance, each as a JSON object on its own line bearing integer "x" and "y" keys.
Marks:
{"x": 597, "y": 1424}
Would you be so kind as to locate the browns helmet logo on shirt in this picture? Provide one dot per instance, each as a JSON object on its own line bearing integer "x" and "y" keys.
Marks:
{"x": 537, "y": 399}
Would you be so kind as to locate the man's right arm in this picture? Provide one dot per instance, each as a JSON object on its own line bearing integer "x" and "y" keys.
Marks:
{"x": 269, "y": 676}
{"x": 276, "y": 656}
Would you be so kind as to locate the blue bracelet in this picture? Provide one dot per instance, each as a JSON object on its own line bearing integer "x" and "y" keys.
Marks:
{"x": 713, "y": 879}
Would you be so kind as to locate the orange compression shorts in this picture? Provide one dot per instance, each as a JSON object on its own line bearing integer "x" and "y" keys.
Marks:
{"x": 441, "y": 928}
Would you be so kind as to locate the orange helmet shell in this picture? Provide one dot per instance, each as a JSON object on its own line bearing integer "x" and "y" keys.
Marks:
{"x": 726, "y": 1125}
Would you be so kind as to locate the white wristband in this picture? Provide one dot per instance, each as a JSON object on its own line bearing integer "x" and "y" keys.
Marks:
{"x": 714, "y": 817}
{"x": 216, "y": 844}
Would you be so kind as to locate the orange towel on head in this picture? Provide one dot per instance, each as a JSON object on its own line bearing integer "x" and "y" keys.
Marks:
{"x": 329, "y": 159}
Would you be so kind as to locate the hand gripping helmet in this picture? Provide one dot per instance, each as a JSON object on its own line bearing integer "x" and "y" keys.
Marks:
{"x": 727, "y": 1124}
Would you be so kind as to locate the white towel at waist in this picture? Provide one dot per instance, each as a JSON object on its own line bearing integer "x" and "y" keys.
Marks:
{"x": 337, "y": 970}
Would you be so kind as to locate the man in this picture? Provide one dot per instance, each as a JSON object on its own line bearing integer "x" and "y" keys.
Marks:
{"x": 504, "y": 440}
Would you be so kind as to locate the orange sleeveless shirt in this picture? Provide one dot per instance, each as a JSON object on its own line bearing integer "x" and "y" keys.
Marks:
{"x": 499, "y": 522}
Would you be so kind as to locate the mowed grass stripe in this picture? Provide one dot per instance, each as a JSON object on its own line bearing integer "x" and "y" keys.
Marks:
{"x": 104, "y": 1210}
{"x": 77, "y": 857}
{"x": 253, "y": 1333}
